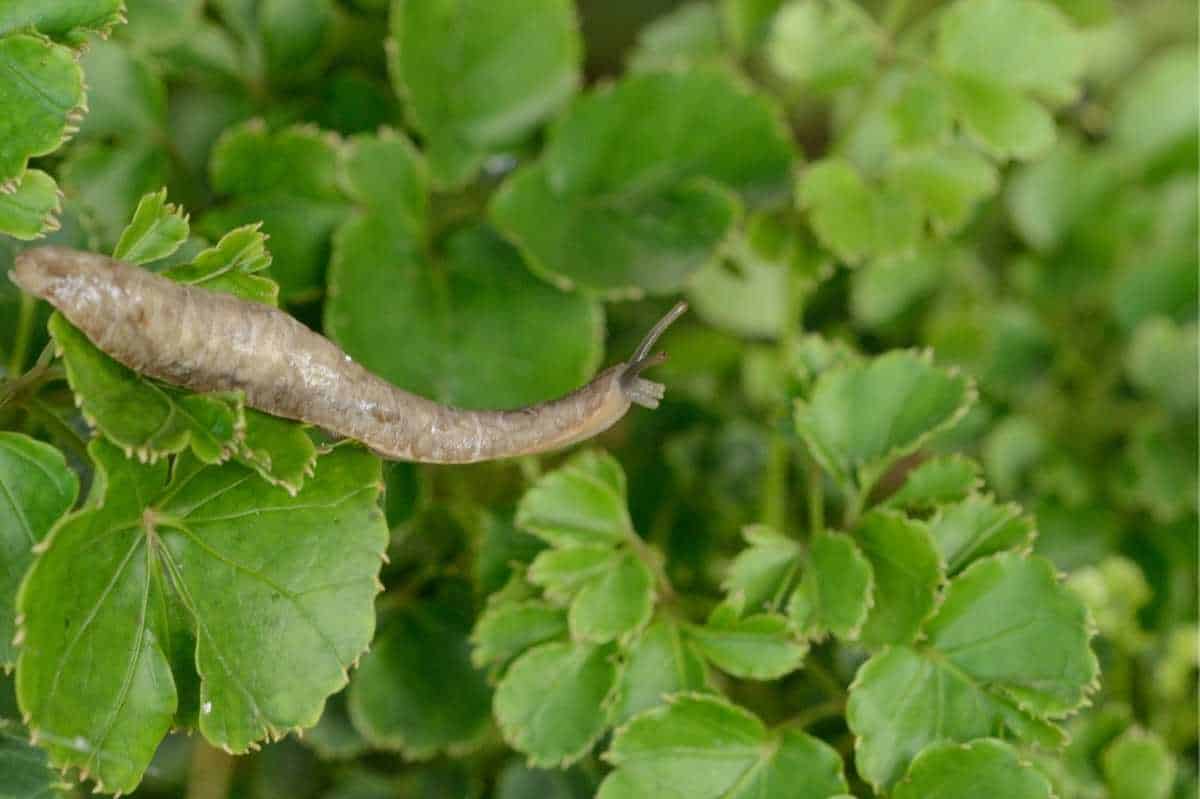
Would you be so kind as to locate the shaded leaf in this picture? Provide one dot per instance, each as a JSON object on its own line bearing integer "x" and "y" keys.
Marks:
{"x": 977, "y": 527}
{"x": 946, "y": 478}
{"x": 658, "y": 663}
{"x": 836, "y": 590}
{"x": 67, "y": 20}
{"x": 763, "y": 571}
{"x": 852, "y": 219}
{"x": 506, "y": 629}
{"x": 31, "y": 209}
{"x": 984, "y": 767}
{"x": 908, "y": 571}
{"x": 26, "y": 769}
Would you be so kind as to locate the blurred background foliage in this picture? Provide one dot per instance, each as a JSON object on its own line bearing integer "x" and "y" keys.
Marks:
{"x": 1013, "y": 185}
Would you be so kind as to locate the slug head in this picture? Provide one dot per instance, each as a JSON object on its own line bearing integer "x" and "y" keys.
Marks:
{"x": 637, "y": 389}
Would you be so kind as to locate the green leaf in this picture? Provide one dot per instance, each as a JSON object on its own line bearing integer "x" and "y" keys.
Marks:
{"x": 278, "y": 449}
{"x": 480, "y": 76}
{"x": 31, "y": 209}
{"x": 824, "y": 45}
{"x": 947, "y": 183}
{"x": 920, "y": 114}
{"x": 562, "y": 573}
{"x": 888, "y": 290}
{"x": 506, "y": 629}
{"x": 293, "y": 33}
{"x": 614, "y": 603}
{"x": 580, "y": 504}
{"x": 416, "y": 691}
{"x": 757, "y": 647}
{"x": 860, "y": 418}
{"x": 624, "y": 202}
{"x": 232, "y": 266}
{"x": 36, "y": 488}
{"x": 763, "y": 571}
{"x": 107, "y": 180}
{"x": 139, "y": 415}
{"x": 127, "y": 99}
{"x": 1155, "y": 115}
{"x": 42, "y": 108}
{"x": 908, "y": 571}
{"x": 555, "y": 701}
{"x": 1138, "y": 765}
{"x": 1007, "y": 649}
{"x": 701, "y": 746}
{"x": 1000, "y": 118}
{"x": 977, "y": 527}
{"x": 685, "y": 38}
{"x": 946, "y": 478}
{"x": 986, "y": 767}
{"x": 837, "y": 589}
{"x": 157, "y": 230}
{"x": 335, "y": 737}
{"x": 278, "y": 591}
{"x": 854, "y": 220}
{"x": 288, "y": 180}
{"x": 747, "y": 22}
{"x": 66, "y": 20}
{"x": 1021, "y": 44}
{"x": 26, "y": 769}
{"x": 1161, "y": 361}
{"x": 658, "y": 663}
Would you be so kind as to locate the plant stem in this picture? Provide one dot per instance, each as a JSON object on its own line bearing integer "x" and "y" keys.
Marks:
{"x": 210, "y": 773}
{"x": 818, "y": 712}
{"x": 821, "y": 674}
{"x": 816, "y": 496}
{"x": 775, "y": 484}
{"x": 16, "y": 361}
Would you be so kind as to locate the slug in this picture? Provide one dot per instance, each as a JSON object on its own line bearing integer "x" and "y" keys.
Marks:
{"x": 208, "y": 341}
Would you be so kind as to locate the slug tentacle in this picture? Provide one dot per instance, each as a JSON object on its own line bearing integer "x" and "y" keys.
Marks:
{"x": 637, "y": 389}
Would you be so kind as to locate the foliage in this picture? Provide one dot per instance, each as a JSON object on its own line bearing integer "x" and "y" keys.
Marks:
{"x": 916, "y": 518}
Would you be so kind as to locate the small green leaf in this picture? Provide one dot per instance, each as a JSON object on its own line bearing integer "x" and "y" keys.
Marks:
{"x": 278, "y": 449}
{"x": 506, "y": 629}
{"x": 1156, "y": 115}
{"x": 278, "y": 590}
{"x": 764, "y": 570}
{"x": 946, "y": 478}
{"x": 908, "y": 571}
{"x": 977, "y": 527}
{"x": 1004, "y": 121}
{"x": 1138, "y": 765}
{"x": 232, "y": 266}
{"x": 67, "y": 20}
{"x": 26, "y": 768}
{"x": 555, "y": 701}
{"x": 562, "y": 573}
{"x": 1161, "y": 361}
{"x": 624, "y": 202}
{"x": 659, "y": 663}
{"x": 948, "y": 184}
{"x": 837, "y": 589}
{"x": 479, "y": 76}
{"x": 920, "y": 115}
{"x": 615, "y": 603}
{"x": 685, "y": 38}
{"x": 580, "y": 504}
{"x": 757, "y": 647}
{"x": 156, "y": 230}
{"x": 416, "y": 691}
{"x": 824, "y": 45}
{"x": 861, "y": 417}
{"x": 36, "y": 488}
{"x": 41, "y": 109}
{"x": 31, "y": 209}
{"x": 1007, "y": 649}
{"x": 702, "y": 747}
{"x": 986, "y": 767}
{"x": 288, "y": 180}
{"x": 887, "y": 291}
{"x": 852, "y": 219}
{"x": 139, "y": 415}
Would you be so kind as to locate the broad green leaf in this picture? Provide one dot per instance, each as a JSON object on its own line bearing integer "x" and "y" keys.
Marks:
{"x": 823, "y": 45}
{"x": 36, "y": 488}
{"x": 701, "y": 746}
{"x": 555, "y": 701}
{"x": 157, "y": 229}
{"x": 416, "y": 691}
{"x": 42, "y": 108}
{"x": 659, "y": 663}
{"x": 624, "y": 201}
{"x": 908, "y": 571}
{"x": 580, "y": 504}
{"x": 687, "y": 37}
{"x": 506, "y": 629}
{"x": 1000, "y": 118}
{"x": 1007, "y": 649}
{"x": 855, "y": 220}
{"x": 140, "y": 415}
{"x": 288, "y": 180}
{"x": 1161, "y": 361}
{"x": 26, "y": 769}
{"x": 1023, "y": 44}
{"x": 946, "y": 478}
{"x": 479, "y": 76}
{"x": 836, "y": 590}
{"x": 947, "y": 183}
{"x": 277, "y": 590}
{"x": 67, "y": 20}
{"x": 232, "y": 265}
{"x": 920, "y": 114}
{"x": 861, "y": 417}
{"x": 977, "y": 527}
{"x": 986, "y": 767}
{"x": 757, "y": 647}
{"x": 469, "y": 326}
{"x": 31, "y": 209}
{"x": 106, "y": 180}
{"x": 1138, "y": 765}
{"x": 278, "y": 449}
{"x": 1156, "y": 115}
{"x": 764, "y": 570}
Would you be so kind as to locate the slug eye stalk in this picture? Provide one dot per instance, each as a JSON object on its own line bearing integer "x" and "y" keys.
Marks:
{"x": 637, "y": 389}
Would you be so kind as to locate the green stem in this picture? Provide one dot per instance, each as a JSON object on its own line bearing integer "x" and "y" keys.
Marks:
{"x": 16, "y": 361}
{"x": 775, "y": 484}
{"x": 822, "y": 675}
{"x": 818, "y": 712}
{"x": 210, "y": 773}
{"x": 816, "y": 496}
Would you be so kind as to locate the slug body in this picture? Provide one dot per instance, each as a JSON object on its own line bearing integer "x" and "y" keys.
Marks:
{"x": 209, "y": 341}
